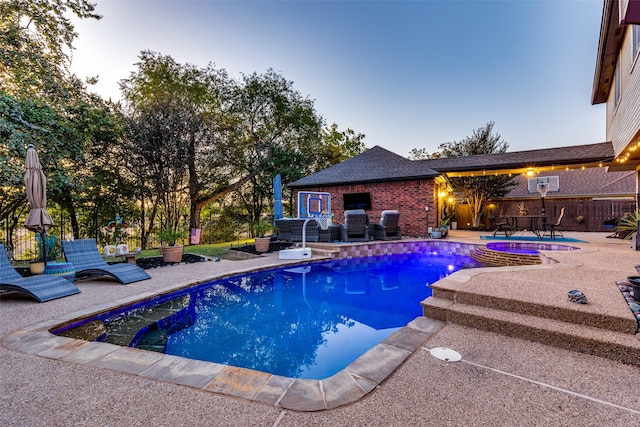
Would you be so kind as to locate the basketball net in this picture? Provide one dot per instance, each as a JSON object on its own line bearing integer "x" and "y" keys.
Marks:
{"x": 543, "y": 189}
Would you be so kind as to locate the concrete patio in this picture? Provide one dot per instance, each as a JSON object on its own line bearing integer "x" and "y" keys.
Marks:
{"x": 502, "y": 379}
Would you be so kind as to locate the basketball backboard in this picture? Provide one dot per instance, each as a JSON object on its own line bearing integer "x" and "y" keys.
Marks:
{"x": 551, "y": 182}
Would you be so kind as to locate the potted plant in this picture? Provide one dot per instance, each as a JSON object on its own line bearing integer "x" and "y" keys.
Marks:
{"x": 454, "y": 221}
{"x": 260, "y": 230}
{"x": 444, "y": 226}
{"x": 449, "y": 213}
{"x": 171, "y": 252}
{"x": 628, "y": 226}
{"x": 522, "y": 209}
{"x": 48, "y": 251}
{"x": 436, "y": 233}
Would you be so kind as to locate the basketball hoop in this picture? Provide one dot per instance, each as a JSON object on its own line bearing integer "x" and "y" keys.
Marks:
{"x": 543, "y": 189}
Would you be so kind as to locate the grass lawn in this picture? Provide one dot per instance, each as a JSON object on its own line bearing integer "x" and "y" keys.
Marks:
{"x": 210, "y": 250}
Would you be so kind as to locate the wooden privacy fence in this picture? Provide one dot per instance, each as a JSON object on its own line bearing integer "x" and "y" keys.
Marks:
{"x": 593, "y": 213}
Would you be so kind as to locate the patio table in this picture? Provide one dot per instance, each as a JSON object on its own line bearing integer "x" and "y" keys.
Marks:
{"x": 535, "y": 224}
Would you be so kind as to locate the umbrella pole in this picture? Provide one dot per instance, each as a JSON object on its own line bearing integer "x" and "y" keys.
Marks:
{"x": 44, "y": 247}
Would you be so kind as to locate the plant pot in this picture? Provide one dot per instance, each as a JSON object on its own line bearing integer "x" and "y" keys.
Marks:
{"x": 262, "y": 244}
{"x": 454, "y": 225}
{"x": 36, "y": 267}
{"x": 436, "y": 234}
{"x": 172, "y": 253}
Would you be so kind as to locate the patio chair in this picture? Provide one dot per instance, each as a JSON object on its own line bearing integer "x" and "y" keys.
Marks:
{"x": 42, "y": 288}
{"x": 284, "y": 229}
{"x": 388, "y": 228}
{"x": 311, "y": 234}
{"x": 502, "y": 225}
{"x": 553, "y": 228}
{"x": 355, "y": 228}
{"x": 87, "y": 261}
{"x": 611, "y": 225}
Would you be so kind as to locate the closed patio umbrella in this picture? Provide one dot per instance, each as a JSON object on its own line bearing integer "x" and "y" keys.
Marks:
{"x": 277, "y": 197}
{"x": 35, "y": 182}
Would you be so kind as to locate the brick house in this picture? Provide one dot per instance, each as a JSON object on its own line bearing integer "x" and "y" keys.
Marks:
{"x": 385, "y": 180}
{"x": 382, "y": 180}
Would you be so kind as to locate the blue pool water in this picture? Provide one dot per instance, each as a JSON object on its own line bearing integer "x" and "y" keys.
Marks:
{"x": 308, "y": 321}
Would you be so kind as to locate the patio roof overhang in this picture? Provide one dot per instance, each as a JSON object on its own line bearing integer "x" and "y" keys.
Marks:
{"x": 528, "y": 163}
{"x": 611, "y": 36}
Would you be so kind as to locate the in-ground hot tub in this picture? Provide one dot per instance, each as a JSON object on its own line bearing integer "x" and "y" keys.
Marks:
{"x": 527, "y": 248}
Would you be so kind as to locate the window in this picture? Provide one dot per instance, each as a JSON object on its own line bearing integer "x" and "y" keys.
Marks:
{"x": 617, "y": 83}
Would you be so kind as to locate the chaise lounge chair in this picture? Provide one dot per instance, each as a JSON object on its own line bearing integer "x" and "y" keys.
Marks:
{"x": 388, "y": 228}
{"x": 87, "y": 261}
{"x": 43, "y": 287}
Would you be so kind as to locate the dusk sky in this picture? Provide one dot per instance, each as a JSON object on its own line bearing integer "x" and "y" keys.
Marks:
{"x": 406, "y": 74}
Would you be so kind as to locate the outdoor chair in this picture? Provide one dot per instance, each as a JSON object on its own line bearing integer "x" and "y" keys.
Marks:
{"x": 43, "y": 287}
{"x": 355, "y": 228}
{"x": 311, "y": 234}
{"x": 553, "y": 228}
{"x": 388, "y": 229}
{"x": 87, "y": 261}
{"x": 284, "y": 229}
{"x": 501, "y": 225}
{"x": 611, "y": 225}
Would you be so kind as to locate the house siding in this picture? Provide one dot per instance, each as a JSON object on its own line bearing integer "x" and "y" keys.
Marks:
{"x": 408, "y": 197}
{"x": 623, "y": 120}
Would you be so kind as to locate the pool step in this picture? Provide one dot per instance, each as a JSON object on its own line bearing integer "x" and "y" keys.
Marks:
{"x": 600, "y": 341}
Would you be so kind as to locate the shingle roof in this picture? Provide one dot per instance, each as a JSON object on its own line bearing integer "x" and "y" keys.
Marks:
{"x": 374, "y": 165}
{"x": 576, "y": 154}
{"x": 378, "y": 164}
{"x": 590, "y": 182}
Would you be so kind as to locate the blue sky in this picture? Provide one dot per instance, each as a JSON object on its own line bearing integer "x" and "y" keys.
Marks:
{"x": 406, "y": 74}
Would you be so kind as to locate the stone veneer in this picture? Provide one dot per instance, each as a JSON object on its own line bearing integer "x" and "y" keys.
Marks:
{"x": 502, "y": 258}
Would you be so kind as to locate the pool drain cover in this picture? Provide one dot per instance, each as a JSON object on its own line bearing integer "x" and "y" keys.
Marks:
{"x": 446, "y": 354}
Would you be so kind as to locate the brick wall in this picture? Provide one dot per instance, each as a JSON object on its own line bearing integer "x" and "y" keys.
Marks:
{"x": 409, "y": 198}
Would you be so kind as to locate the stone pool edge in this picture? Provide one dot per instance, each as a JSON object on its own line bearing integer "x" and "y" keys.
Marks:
{"x": 351, "y": 384}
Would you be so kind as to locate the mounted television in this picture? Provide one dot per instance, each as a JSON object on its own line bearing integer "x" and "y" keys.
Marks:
{"x": 357, "y": 201}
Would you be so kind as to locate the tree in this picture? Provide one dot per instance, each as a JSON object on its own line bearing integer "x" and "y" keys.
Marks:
{"x": 196, "y": 135}
{"x": 43, "y": 103}
{"x": 336, "y": 147}
{"x": 36, "y": 39}
{"x": 269, "y": 123}
{"x": 420, "y": 154}
{"x": 475, "y": 190}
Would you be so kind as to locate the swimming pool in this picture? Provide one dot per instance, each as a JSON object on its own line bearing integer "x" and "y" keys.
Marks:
{"x": 528, "y": 248}
{"x": 307, "y": 321}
